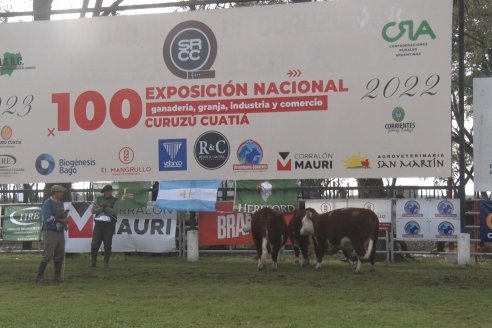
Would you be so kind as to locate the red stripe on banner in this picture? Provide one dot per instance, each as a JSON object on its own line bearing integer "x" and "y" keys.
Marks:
{"x": 237, "y": 106}
{"x": 224, "y": 227}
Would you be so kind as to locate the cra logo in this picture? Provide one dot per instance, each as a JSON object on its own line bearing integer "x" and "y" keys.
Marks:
{"x": 189, "y": 50}
{"x": 394, "y": 31}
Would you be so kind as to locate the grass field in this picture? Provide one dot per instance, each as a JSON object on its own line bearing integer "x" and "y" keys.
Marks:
{"x": 164, "y": 291}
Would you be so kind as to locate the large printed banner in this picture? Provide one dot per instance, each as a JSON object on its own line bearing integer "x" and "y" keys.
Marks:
{"x": 264, "y": 92}
{"x": 482, "y": 136}
{"x": 251, "y": 195}
{"x": 130, "y": 194}
{"x": 485, "y": 220}
{"x": 225, "y": 227}
{"x": 21, "y": 223}
{"x": 382, "y": 207}
{"x": 143, "y": 229}
{"x": 428, "y": 219}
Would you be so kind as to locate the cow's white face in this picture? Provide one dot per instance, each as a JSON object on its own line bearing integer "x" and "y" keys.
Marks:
{"x": 307, "y": 228}
{"x": 247, "y": 226}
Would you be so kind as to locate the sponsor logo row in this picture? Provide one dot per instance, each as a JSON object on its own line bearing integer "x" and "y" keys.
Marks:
{"x": 212, "y": 150}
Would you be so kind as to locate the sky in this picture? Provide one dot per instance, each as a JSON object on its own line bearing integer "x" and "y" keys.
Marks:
{"x": 26, "y": 5}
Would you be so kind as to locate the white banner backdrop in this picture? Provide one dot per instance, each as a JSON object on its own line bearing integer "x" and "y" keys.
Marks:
{"x": 482, "y": 136}
{"x": 382, "y": 207}
{"x": 428, "y": 219}
{"x": 328, "y": 89}
{"x": 138, "y": 230}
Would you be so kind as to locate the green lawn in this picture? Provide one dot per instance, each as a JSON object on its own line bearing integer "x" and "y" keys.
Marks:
{"x": 164, "y": 291}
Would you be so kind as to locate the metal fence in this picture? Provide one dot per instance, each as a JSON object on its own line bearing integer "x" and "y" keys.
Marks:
{"x": 389, "y": 247}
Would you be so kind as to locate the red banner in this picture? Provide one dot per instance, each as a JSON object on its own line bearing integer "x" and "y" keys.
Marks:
{"x": 225, "y": 227}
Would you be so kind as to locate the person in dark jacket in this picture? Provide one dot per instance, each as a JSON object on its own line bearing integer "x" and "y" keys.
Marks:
{"x": 105, "y": 209}
{"x": 54, "y": 224}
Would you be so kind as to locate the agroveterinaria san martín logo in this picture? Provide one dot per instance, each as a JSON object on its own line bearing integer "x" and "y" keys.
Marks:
{"x": 189, "y": 50}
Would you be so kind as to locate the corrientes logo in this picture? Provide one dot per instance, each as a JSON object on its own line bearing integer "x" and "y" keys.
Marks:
{"x": 45, "y": 164}
{"x": 189, "y": 50}
{"x": 398, "y": 115}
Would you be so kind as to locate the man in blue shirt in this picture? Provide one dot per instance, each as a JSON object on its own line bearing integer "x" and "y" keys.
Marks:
{"x": 54, "y": 224}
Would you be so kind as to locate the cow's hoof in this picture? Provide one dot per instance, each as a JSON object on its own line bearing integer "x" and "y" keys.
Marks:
{"x": 318, "y": 266}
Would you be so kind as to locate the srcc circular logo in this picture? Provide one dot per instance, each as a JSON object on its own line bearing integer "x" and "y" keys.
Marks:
{"x": 189, "y": 50}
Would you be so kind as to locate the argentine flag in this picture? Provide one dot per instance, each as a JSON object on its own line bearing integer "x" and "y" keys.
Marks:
{"x": 188, "y": 195}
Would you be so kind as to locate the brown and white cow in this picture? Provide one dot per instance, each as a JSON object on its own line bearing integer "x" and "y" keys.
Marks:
{"x": 300, "y": 244}
{"x": 358, "y": 227}
{"x": 269, "y": 232}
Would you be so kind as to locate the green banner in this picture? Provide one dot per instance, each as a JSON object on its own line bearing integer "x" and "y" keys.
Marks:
{"x": 22, "y": 223}
{"x": 130, "y": 194}
{"x": 251, "y": 195}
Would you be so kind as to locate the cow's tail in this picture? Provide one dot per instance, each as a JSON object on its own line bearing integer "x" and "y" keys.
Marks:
{"x": 372, "y": 244}
{"x": 372, "y": 240}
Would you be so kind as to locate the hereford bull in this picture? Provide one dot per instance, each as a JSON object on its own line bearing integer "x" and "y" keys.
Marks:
{"x": 269, "y": 232}
{"x": 346, "y": 228}
{"x": 300, "y": 244}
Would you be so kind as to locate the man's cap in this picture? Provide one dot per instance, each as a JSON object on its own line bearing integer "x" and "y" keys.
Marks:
{"x": 107, "y": 188}
{"x": 58, "y": 188}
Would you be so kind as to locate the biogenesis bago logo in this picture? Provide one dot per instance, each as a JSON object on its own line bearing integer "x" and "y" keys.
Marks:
{"x": 45, "y": 164}
{"x": 189, "y": 50}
